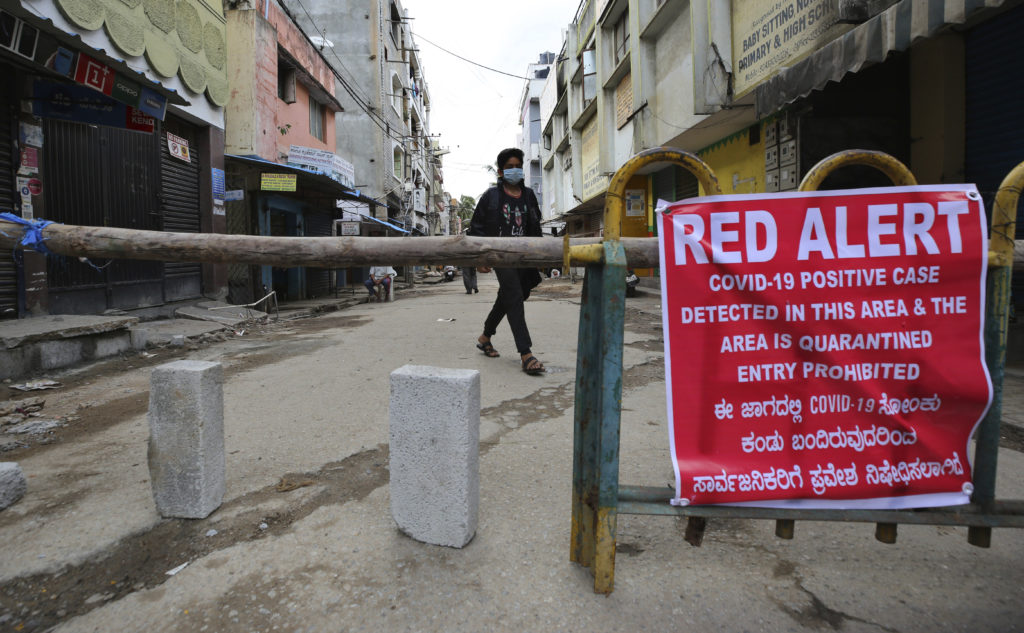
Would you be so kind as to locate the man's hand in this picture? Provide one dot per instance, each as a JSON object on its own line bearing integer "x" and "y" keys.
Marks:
{"x": 483, "y": 269}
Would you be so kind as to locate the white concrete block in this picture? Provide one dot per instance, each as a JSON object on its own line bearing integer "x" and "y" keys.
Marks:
{"x": 434, "y": 453}
{"x": 12, "y": 484}
{"x": 139, "y": 338}
{"x": 186, "y": 438}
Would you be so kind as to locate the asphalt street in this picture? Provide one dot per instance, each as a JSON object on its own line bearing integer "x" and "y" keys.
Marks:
{"x": 305, "y": 541}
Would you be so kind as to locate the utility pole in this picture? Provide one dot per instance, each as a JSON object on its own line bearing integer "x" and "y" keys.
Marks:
{"x": 410, "y": 277}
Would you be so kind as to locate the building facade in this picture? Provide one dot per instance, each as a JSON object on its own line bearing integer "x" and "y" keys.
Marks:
{"x": 385, "y": 125}
{"x": 285, "y": 176}
{"x": 529, "y": 137}
{"x": 111, "y": 114}
{"x": 762, "y": 90}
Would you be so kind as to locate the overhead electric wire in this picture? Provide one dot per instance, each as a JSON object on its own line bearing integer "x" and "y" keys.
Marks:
{"x": 361, "y": 102}
{"x": 467, "y": 60}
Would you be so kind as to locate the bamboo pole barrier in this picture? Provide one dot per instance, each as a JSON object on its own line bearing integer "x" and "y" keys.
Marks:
{"x": 317, "y": 252}
{"x": 328, "y": 252}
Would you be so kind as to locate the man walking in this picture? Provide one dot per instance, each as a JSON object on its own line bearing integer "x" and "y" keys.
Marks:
{"x": 509, "y": 210}
{"x": 469, "y": 279}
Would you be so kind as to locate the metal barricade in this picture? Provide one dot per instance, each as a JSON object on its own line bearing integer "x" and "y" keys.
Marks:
{"x": 598, "y": 498}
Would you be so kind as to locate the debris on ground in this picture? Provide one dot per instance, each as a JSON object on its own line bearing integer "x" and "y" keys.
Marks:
{"x": 34, "y": 427}
{"x": 177, "y": 569}
{"x": 21, "y": 407}
{"x": 286, "y": 485}
{"x": 37, "y": 385}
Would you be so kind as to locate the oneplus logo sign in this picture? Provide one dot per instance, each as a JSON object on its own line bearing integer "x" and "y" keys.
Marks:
{"x": 94, "y": 74}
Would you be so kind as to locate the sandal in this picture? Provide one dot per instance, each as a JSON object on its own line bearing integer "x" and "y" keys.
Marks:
{"x": 532, "y": 366}
{"x": 488, "y": 349}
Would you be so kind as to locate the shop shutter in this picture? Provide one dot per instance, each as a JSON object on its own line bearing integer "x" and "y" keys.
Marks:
{"x": 995, "y": 88}
{"x": 179, "y": 206}
{"x": 995, "y": 135}
{"x": 8, "y": 264}
{"x": 686, "y": 184}
{"x": 100, "y": 176}
{"x": 674, "y": 183}
{"x": 663, "y": 185}
{"x": 318, "y": 282}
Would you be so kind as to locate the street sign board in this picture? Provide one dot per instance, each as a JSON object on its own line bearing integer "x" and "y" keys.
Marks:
{"x": 277, "y": 182}
{"x": 824, "y": 349}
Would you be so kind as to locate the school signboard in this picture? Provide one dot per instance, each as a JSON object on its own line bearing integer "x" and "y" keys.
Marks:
{"x": 824, "y": 349}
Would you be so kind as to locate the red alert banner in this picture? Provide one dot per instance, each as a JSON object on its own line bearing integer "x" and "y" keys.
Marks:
{"x": 824, "y": 349}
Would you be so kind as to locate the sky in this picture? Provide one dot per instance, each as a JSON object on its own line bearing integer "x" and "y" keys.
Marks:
{"x": 476, "y": 111}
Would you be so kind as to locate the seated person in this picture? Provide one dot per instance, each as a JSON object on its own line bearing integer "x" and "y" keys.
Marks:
{"x": 380, "y": 279}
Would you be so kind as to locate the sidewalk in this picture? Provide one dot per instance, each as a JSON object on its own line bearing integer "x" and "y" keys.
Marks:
{"x": 35, "y": 345}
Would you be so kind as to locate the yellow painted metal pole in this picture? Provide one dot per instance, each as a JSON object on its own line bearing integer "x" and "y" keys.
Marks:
{"x": 897, "y": 172}
{"x": 1004, "y": 218}
{"x": 615, "y": 199}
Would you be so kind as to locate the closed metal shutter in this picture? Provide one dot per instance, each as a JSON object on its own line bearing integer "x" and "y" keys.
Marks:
{"x": 179, "y": 206}
{"x": 995, "y": 88}
{"x": 100, "y": 176}
{"x": 8, "y": 264}
{"x": 318, "y": 280}
{"x": 674, "y": 183}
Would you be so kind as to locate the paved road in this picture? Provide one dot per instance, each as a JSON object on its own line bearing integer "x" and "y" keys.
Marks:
{"x": 305, "y": 541}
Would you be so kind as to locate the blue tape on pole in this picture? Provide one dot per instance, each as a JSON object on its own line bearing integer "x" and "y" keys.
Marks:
{"x": 33, "y": 237}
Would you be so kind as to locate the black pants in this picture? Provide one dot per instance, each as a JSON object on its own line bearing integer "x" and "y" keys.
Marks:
{"x": 469, "y": 278}
{"x": 513, "y": 289}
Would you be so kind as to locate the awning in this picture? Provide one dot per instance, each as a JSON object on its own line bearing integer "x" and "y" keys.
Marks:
{"x": 309, "y": 181}
{"x": 593, "y": 205}
{"x": 892, "y": 30}
{"x": 387, "y": 224}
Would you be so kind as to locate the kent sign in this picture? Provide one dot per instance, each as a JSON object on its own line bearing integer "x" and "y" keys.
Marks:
{"x": 825, "y": 349}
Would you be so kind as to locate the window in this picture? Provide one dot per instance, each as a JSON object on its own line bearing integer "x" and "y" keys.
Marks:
{"x": 17, "y": 35}
{"x": 396, "y": 93}
{"x": 396, "y": 26}
{"x": 285, "y": 81}
{"x": 621, "y": 37}
{"x": 316, "y": 119}
{"x": 589, "y": 77}
{"x": 398, "y": 163}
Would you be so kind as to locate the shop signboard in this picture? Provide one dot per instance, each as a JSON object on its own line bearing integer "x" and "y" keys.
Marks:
{"x": 770, "y": 34}
{"x": 278, "y": 182}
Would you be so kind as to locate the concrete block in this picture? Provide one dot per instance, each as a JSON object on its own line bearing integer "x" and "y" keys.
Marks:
{"x": 434, "y": 453}
{"x": 12, "y": 484}
{"x": 186, "y": 438}
{"x": 139, "y": 338}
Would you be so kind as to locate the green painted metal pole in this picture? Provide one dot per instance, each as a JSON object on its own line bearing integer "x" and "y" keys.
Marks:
{"x": 595, "y": 496}
{"x": 997, "y": 314}
{"x": 597, "y": 417}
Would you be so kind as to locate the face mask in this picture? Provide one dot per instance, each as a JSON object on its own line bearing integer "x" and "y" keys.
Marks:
{"x": 512, "y": 175}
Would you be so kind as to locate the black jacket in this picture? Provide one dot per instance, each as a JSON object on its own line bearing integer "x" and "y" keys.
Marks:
{"x": 488, "y": 220}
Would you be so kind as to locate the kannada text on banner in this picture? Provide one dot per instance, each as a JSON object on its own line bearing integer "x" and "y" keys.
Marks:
{"x": 824, "y": 349}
